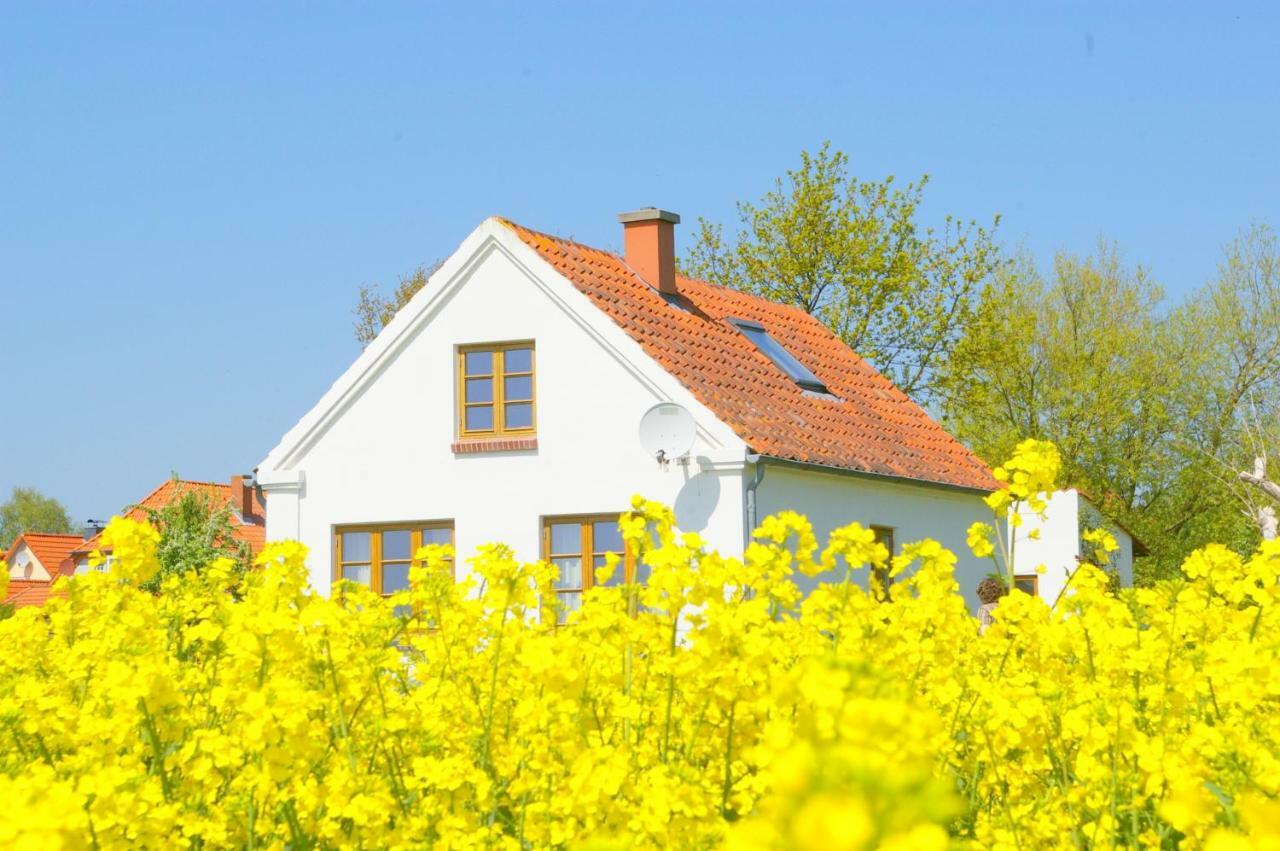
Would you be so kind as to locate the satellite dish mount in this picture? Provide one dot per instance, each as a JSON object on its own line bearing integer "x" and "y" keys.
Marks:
{"x": 667, "y": 432}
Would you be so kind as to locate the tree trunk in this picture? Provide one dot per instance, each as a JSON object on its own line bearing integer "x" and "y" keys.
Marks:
{"x": 1267, "y": 524}
{"x": 1265, "y": 516}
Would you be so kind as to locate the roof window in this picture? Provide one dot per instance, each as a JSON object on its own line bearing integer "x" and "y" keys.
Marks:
{"x": 783, "y": 359}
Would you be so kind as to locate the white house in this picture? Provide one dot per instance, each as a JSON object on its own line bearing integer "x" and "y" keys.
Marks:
{"x": 39, "y": 556}
{"x": 1061, "y": 545}
{"x": 36, "y": 561}
{"x": 502, "y": 404}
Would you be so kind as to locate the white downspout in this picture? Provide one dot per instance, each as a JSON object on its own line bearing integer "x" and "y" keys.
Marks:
{"x": 752, "y": 518}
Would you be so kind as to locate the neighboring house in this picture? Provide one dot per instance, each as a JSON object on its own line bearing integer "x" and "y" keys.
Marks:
{"x": 1061, "y": 545}
{"x": 248, "y": 513}
{"x": 36, "y": 560}
{"x": 502, "y": 404}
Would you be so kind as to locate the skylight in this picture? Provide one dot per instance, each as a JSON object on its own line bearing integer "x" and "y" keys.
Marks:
{"x": 783, "y": 359}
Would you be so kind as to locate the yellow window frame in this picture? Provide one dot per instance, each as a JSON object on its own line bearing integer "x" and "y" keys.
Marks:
{"x": 498, "y": 375}
{"x": 376, "y": 560}
{"x": 1034, "y": 579}
{"x": 586, "y": 541}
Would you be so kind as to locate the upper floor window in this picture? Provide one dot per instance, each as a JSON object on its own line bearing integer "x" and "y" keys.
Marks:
{"x": 579, "y": 545}
{"x": 495, "y": 384}
{"x": 379, "y": 555}
{"x": 783, "y": 359}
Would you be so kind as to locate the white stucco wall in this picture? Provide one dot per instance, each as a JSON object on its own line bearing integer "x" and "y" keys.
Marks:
{"x": 1122, "y": 559}
{"x": 25, "y": 565}
{"x": 387, "y": 457}
{"x": 915, "y": 512}
{"x": 1067, "y": 515}
{"x": 1057, "y": 547}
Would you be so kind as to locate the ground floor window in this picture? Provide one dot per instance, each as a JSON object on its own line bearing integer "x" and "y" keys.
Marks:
{"x": 577, "y": 546}
{"x": 379, "y": 555}
{"x": 1028, "y": 583}
{"x": 880, "y": 578}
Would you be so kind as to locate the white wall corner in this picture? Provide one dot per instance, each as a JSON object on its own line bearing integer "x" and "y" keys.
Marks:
{"x": 281, "y": 481}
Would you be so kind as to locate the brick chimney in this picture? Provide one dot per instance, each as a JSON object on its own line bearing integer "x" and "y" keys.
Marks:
{"x": 650, "y": 239}
{"x": 241, "y": 497}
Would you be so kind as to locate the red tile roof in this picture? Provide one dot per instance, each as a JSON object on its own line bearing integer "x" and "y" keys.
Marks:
{"x": 29, "y": 592}
{"x": 872, "y": 427}
{"x": 51, "y": 550}
{"x": 253, "y": 529}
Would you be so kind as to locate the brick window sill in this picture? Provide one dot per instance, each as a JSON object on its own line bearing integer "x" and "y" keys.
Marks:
{"x": 494, "y": 444}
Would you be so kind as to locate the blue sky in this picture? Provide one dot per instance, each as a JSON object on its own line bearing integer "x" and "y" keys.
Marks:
{"x": 191, "y": 194}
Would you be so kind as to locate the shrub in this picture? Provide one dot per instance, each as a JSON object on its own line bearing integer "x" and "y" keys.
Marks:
{"x": 712, "y": 707}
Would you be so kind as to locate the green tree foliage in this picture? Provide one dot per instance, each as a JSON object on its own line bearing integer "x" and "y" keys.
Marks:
{"x": 194, "y": 529}
{"x": 853, "y": 253}
{"x": 1149, "y": 402}
{"x": 28, "y": 510}
{"x": 373, "y": 310}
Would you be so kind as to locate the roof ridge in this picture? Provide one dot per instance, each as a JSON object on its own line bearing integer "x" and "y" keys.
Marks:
{"x": 562, "y": 239}
{"x": 623, "y": 260}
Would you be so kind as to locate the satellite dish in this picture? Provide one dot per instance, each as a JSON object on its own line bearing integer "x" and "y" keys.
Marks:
{"x": 667, "y": 431}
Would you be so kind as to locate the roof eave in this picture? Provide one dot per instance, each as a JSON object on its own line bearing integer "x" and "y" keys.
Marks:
{"x": 816, "y": 467}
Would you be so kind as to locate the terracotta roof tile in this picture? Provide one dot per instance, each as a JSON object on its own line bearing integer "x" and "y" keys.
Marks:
{"x": 871, "y": 426}
{"x": 29, "y": 592}
{"x": 253, "y": 531}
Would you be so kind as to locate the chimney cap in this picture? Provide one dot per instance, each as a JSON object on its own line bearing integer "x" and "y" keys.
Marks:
{"x": 649, "y": 214}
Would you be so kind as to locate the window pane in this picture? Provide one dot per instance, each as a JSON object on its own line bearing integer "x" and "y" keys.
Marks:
{"x": 606, "y": 537}
{"x": 516, "y": 389}
{"x": 355, "y": 546}
{"x": 785, "y": 361}
{"x": 361, "y": 573}
{"x": 480, "y": 418}
{"x": 570, "y": 572}
{"x": 479, "y": 363}
{"x": 520, "y": 415}
{"x": 642, "y": 574}
{"x": 479, "y": 389}
{"x": 569, "y": 602}
{"x": 436, "y": 536}
{"x": 517, "y": 360}
{"x": 395, "y": 577}
{"x": 884, "y": 535}
{"x": 566, "y": 538}
{"x": 404, "y": 611}
{"x": 395, "y": 545}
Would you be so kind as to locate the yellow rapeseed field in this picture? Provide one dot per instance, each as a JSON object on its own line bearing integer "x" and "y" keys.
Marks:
{"x": 712, "y": 707}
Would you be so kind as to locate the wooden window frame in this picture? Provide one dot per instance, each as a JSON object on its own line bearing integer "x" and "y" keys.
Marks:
{"x": 498, "y": 403}
{"x": 880, "y": 575}
{"x": 1034, "y": 579}
{"x": 375, "y": 545}
{"x": 586, "y": 542}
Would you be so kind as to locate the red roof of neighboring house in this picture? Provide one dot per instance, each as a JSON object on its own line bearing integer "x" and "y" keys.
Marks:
{"x": 251, "y": 529}
{"x": 29, "y": 592}
{"x": 872, "y": 427}
{"x": 51, "y": 550}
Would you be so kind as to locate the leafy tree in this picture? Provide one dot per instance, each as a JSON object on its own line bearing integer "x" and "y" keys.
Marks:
{"x": 28, "y": 510}
{"x": 852, "y": 253}
{"x": 1146, "y": 401}
{"x": 1237, "y": 318}
{"x": 373, "y": 310}
{"x": 194, "y": 529}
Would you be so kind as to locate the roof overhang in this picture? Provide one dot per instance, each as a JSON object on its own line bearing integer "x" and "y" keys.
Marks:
{"x": 774, "y": 460}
